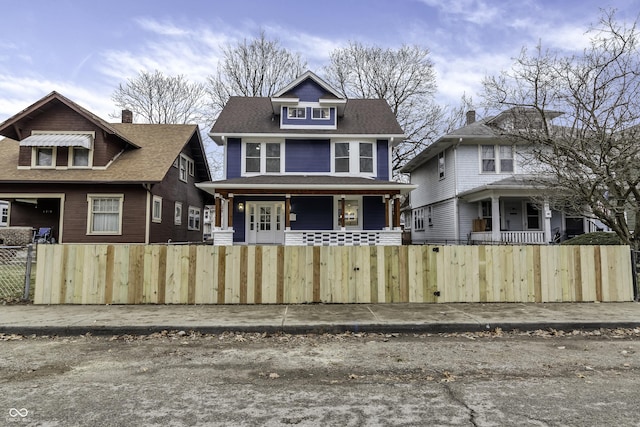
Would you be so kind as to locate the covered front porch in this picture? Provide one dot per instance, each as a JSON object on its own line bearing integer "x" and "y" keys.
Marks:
{"x": 306, "y": 211}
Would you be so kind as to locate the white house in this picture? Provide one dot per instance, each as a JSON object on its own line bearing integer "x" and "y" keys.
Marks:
{"x": 473, "y": 187}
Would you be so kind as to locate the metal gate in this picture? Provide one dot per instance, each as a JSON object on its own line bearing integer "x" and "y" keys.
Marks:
{"x": 15, "y": 272}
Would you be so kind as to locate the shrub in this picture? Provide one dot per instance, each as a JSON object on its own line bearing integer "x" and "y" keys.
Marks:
{"x": 597, "y": 238}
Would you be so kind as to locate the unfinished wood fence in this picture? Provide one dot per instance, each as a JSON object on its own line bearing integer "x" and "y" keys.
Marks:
{"x": 159, "y": 274}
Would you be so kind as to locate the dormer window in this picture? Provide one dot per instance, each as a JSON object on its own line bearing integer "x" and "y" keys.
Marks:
{"x": 321, "y": 113}
{"x": 80, "y": 157}
{"x": 43, "y": 157}
{"x": 297, "y": 112}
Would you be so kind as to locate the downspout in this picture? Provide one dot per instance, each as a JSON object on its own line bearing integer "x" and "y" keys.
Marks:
{"x": 455, "y": 191}
{"x": 147, "y": 221}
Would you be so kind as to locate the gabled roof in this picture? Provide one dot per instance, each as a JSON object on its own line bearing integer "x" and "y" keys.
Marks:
{"x": 253, "y": 116}
{"x": 159, "y": 145}
{"x": 10, "y": 127}
{"x": 308, "y": 75}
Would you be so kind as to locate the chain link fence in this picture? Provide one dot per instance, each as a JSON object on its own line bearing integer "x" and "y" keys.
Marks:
{"x": 15, "y": 272}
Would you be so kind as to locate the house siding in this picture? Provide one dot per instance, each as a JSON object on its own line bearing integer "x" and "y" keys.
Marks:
{"x": 373, "y": 213}
{"x": 309, "y": 91}
{"x": 442, "y": 228}
{"x": 234, "y": 158}
{"x": 382, "y": 148}
{"x": 62, "y": 118}
{"x": 309, "y": 120}
{"x": 313, "y": 155}
{"x": 470, "y": 176}
{"x": 312, "y": 213}
{"x": 467, "y": 212}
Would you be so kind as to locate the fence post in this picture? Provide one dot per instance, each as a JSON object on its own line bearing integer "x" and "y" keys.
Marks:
{"x": 634, "y": 274}
{"x": 27, "y": 272}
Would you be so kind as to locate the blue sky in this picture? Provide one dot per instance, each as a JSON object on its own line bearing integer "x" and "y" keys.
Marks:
{"x": 84, "y": 49}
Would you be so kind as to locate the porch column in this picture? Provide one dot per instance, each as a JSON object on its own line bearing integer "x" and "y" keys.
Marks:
{"x": 230, "y": 211}
{"x": 218, "y": 221}
{"x": 547, "y": 221}
{"x": 387, "y": 220}
{"x": 495, "y": 218}
{"x": 396, "y": 212}
{"x": 342, "y": 217}
{"x": 287, "y": 212}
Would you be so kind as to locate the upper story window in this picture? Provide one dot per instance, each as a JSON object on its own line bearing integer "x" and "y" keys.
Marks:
{"x": 43, "y": 157}
{"x": 297, "y": 112}
{"x": 441, "y": 165}
{"x": 320, "y": 113}
{"x": 497, "y": 158}
{"x": 263, "y": 157}
{"x": 79, "y": 157}
{"x": 186, "y": 167}
{"x": 354, "y": 157}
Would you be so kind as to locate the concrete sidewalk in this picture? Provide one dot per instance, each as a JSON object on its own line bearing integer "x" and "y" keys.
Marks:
{"x": 316, "y": 318}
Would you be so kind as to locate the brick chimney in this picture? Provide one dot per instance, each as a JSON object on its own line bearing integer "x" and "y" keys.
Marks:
{"x": 471, "y": 117}
{"x": 127, "y": 116}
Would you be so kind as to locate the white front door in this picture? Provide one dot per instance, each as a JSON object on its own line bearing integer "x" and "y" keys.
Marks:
{"x": 265, "y": 223}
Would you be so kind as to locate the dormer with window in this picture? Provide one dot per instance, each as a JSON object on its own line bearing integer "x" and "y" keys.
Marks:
{"x": 59, "y": 150}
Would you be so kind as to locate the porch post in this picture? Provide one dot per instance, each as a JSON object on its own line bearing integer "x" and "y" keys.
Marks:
{"x": 495, "y": 219}
{"x": 387, "y": 220}
{"x": 342, "y": 217}
{"x": 396, "y": 212}
{"x": 230, "y": 211}
{"x": 287, "y": 212}
{"x": 218, "y": 221}
{"x": 547, "y": 221}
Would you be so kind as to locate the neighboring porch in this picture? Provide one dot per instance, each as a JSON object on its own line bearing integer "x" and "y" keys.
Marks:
{"x": 505, "y": 219}
{"x": 327, "y": 211}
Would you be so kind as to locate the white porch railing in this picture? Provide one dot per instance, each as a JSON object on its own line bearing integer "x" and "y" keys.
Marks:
{"x": 343, "y": 238}
{"x": 517, "y": 237}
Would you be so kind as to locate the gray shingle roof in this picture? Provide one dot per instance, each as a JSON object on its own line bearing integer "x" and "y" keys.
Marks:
{"x": 247, "y": 115}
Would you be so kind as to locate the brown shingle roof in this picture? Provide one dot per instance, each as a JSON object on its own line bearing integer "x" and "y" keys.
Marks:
{"x": 159, "y": 146}
{"x": 245, "y": 115}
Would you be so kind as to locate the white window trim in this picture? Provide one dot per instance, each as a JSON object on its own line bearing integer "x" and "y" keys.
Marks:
{"x": 90, "y": 198}
{"x": 154, "y": 217}
{"x": 34, "y": 154}
{"x": 298, "y": 107}
{"x": 70, "y": 164}
{"x": 314, "y": 109}
{"x": 177, "y": 213}
{"x": 418, "y": 219}
{"x": 354, "y": 160}
{"x": 188, "y": 167}
{"x": 442, "y": 166}
{"x": 263, "y": 157}
{"x": 497, "y": 159}
{"x": 194, "y": 212}
{"x": 336, "y": 220}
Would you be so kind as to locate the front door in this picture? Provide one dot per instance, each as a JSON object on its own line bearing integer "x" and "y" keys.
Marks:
{"x": 265, "y": 223}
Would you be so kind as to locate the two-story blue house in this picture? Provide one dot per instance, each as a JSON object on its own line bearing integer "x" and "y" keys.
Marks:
{"x": 307, "y": 167}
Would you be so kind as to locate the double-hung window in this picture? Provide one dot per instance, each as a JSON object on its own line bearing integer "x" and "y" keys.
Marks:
{"x": 497, "y": 158}
{"x": 354, "y": 157}
{"x": 156, "y": 215}
{"x": 4, "y": 215}
{"x": 185, "y": 167}
{"x": 263, "y": 157}
{"x": 104, "y": 213}
{"x": 43, "y": 157}
{"x": 418, "y": 219}
{"x": 297, "y": 112}
{"x": 320, "y": 113}
{"x": 194, "y": 218}
{"x": 441, "y": 165}
{"x": 177, "y": 213}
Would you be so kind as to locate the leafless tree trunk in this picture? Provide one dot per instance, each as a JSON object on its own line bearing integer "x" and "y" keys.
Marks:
{"x": 588, "y": 159}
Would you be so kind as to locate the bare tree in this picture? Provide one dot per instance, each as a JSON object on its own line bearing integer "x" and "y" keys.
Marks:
{"x": 589, "y": 157}
{"x": 404, "y": 77}
{"x": 259, "y": 67}
{"x": 156, "y": 98}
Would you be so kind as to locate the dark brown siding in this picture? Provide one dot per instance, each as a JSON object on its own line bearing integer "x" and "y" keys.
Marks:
{"x": 75, "y": 211}
{"x": 172, "y": 190}
{"x": 62, "y": 118}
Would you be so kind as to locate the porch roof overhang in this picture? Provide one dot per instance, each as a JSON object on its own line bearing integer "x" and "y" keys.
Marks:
{"x": 305, "y": 184}
{"x": 508, "y": 187}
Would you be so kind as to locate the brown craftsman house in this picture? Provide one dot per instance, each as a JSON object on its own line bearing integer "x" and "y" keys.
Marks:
{"x": 89, "y": 181}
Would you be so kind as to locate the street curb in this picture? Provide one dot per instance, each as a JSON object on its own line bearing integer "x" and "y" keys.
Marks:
{"x": 434, "y": 328}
